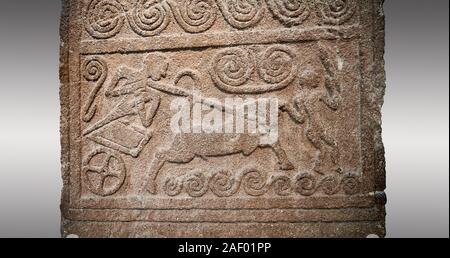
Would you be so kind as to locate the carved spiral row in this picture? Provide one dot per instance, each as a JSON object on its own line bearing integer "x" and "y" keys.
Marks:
{"x": 306, "y": 184}
{"x": 255, "y": 183}
{"x": 233, "y": 68}
{"x": 105, "y": 18}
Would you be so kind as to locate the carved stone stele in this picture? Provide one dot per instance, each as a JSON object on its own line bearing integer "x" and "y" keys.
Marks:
{"x": 126, "y": 173}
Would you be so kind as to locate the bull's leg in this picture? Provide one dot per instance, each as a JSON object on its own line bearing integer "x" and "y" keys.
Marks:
{"x": 335, "y": 155}
{"x": 153, "y": 172}
{"x": 172, "y": 156}
{"x": 319, "y": 163}
{"x": 285, "y": 164}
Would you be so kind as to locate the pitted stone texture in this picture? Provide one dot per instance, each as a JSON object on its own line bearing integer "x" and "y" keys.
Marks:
{"x": 127, "y": 174}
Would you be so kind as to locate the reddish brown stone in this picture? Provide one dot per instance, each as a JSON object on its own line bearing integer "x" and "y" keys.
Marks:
{"x": 126, "y": 174}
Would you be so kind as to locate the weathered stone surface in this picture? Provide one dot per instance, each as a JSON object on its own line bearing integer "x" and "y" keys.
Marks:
{"x": 127, "y": 174}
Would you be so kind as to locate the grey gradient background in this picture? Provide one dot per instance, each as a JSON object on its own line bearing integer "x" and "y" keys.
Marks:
{"x": 416, "y": 122}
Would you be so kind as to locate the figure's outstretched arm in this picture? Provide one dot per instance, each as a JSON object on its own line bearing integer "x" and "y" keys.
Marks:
{"x": 332, "y": 97}
{"x": 168, "y": 89}
{"x": 130, "y": 85}
{"x": 333, "y": 80}
{"x": 295, "y": 110}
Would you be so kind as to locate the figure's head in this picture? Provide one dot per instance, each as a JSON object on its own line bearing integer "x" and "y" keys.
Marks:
{"x": 309, "y": 78}
{"x": 156, "y": 66}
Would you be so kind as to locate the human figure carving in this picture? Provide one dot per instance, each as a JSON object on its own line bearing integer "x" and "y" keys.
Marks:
{"x": 302, "y": 110}
{"x": 135, "y": 98}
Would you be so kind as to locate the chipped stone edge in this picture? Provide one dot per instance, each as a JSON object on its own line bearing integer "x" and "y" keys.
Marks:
{"x": 65, "y": 109}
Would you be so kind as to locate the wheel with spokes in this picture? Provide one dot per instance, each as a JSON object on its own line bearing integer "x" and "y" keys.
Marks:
{"x": 104, "y": 172}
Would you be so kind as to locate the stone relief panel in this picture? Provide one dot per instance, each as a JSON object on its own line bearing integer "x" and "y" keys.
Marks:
{"x": 129, "y": 61}
{"x": 126, "y": 110}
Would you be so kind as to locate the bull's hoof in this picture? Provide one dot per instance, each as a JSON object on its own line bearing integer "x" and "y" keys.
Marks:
{"x": 151, "y": 188}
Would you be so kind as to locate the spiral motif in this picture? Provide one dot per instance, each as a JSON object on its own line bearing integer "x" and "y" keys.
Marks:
{"x": 149, "y": 17}
{"x": 330, "y": 185}
{"x": 94, "y": 70}
{"x": 282, "y": 185}
{"x": 336, "y": 12}
{"x": 104, "y": 18}
{"x": 196, "y": 185}
{"x": 173, "y": 186}
{"x": 254, "y": 183}
{"x": 194, "y": 16}
{"x": 242, "y": 14}
{"x": 232, "y": 68}
{"x": 350, "y": 184}
{"x": 305, "y": 184}
{"x": 278, "y": 66}
{"x": 289, "y": 12}
{"x": 223, "y": 184}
